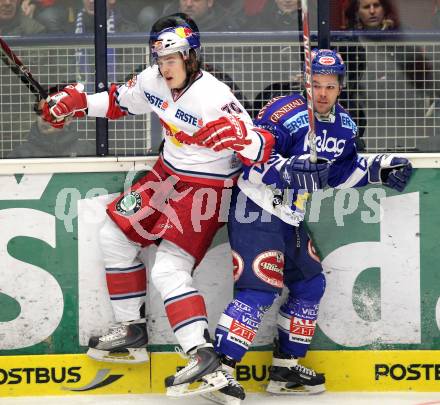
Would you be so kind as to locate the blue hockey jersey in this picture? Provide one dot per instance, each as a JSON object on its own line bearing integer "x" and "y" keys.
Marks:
{"x": 286, "y": 117}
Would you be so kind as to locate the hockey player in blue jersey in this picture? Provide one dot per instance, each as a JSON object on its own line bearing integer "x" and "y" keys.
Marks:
{"x": 270, "y": 246}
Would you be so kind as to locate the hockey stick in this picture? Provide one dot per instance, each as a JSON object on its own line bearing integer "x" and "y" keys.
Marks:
{"x": 25, "y": 72}
{"x": 308, "y": 80}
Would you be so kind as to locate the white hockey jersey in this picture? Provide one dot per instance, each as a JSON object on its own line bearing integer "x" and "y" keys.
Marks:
{"x": 204, "y": 100}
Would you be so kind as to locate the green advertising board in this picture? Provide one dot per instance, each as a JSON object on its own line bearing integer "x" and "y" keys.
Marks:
{"x": 379, "y": 249}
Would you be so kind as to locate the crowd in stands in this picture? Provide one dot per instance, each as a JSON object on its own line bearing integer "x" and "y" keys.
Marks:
{"x": 28, "y": 17}
{"x": 403, "y": 71}
{"x": 31, "y": 17}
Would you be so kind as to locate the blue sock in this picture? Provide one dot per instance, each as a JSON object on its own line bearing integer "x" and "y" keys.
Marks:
{"x": 240, "y": 320}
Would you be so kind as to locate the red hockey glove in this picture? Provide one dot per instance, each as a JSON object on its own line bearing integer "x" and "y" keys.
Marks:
{"x": 225, "y": 133}
{"x": 70, "y": 102}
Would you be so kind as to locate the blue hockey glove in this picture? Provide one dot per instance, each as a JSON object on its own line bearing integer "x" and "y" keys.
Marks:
{"x": 300, "y": 174}
{"x": 391, "y": 171}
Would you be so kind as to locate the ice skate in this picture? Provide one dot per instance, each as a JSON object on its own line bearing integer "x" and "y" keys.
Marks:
{"x": 288, "y": 377}
{"x": 202, "y": 374}
{"x": 231, "y": 394}
{"x": 124, "y": 343}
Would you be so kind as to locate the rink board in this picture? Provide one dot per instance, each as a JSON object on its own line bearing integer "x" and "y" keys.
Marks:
{"x": 380, "y": 315}
{"x": 345, "y": 371}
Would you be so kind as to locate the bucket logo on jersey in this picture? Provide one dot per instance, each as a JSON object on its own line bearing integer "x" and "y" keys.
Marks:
{"x": 268, "y": 266}
{"x": 156, "y": 101}
{"x": 129, "y": 204}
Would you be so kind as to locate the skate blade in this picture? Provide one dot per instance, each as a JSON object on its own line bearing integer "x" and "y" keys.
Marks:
{"x": 131, "y": 355}
{"x": 220, "y": 398}
{"x": 210, "y": 382}
{"x": 278, "y": 387}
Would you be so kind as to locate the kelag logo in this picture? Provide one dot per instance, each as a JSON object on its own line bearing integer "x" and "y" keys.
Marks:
{"x": 44, "y": 375}
{"x": 407, "y": 372}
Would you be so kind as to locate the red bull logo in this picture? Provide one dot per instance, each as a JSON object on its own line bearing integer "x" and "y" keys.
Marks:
{"x": 184, "y": 32}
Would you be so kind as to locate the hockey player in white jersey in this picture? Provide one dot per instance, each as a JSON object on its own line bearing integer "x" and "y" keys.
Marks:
{"x": 177, "y": 204}
{"x": 275, "y": 250}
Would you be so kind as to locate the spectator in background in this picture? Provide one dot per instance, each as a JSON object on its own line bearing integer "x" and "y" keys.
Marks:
{"x": 253, "y": 7}
{"x": 14, "y": 97}
{"x": 147, "y": 14}
{"x": 209, "y": 15}
{"x": 363, "y": 15}
{"x": 436, "y": 15}
{"x": 45, "y": 141}
{"x": 233, "y": 7}
{"x": 382, "y": 76}
{"x": 52, "y": 14}
{"x": 84, "y": 23}
{"x": 280, "y": 15}
{"x": 14, "y": 22}
{"x": 116, "y": 21}
{"x": 372, "y": 15}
